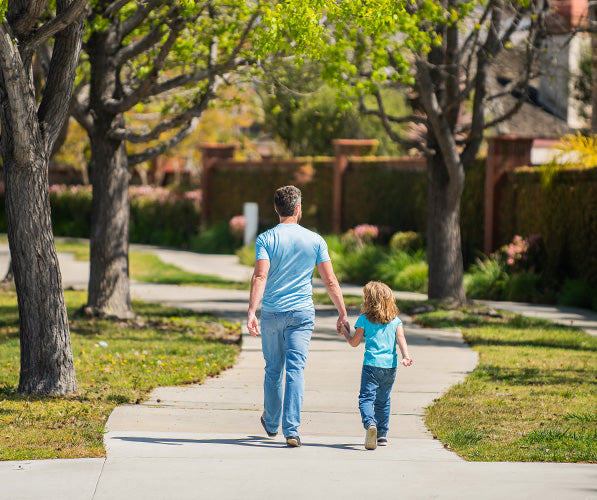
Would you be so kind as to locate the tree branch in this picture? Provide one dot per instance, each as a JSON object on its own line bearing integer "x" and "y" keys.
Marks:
{"x": 22, "y": 18}
{"x": 155, "y": 151}
{"x": 144, "y": 89}
{"x": 135, "y": 20}
{"x": 18, "y": 100}
{"x": 80, "y": 112}
{"x": 54, "y": 105}
{"x": 387, "y": 121}
{"x": 132, "y": 50}
{"x": 72, "y": 13}
{"x": 193, "y": 112}
{"x": 441, "y": 129}
{"x": 115, "y": 7}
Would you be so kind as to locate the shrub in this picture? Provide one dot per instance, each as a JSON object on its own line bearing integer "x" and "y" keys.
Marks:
{"x": 577, "y": 293}
{"x": 413, "y": 278}
{"x": 215, "y": 239}
{"x": 71, "y": 210}
{"x": 521, "y": 254}
{"x": 407, "y": 241}
{"x": 237, "y": 226}
{"x": 522, "y": 287}
{"x": 393, "y": 263}
{"x": 485, "y": 279}
{"x": 366, "y": 233}
{"x": 162, "y": 216}
{"x": 246, "y": 255}
{"x": 358, "y": 266}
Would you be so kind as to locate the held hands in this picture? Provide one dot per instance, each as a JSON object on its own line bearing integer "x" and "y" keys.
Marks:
{"x": 343, "y": 326}
{"x": 406, "y": 361}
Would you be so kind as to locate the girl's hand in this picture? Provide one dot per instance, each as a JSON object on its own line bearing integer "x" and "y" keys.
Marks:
{"x": 406, "y": 361}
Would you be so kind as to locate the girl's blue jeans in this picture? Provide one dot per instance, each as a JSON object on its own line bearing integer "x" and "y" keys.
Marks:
{"x": 374, "y": 397}
{"x": 285, "y": 338}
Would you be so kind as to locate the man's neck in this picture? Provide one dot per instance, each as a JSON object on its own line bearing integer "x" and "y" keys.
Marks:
{"x": 289, "y": 220}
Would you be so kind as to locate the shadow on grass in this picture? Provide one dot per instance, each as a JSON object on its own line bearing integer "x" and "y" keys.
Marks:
{"x": 531, "y": 376}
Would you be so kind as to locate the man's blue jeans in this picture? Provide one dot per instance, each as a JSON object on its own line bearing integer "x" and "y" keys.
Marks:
{"x": 285, "y": 340}
{"x": 374, "y": 397}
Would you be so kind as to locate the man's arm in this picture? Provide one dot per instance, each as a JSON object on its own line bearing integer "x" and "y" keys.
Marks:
{"x": 326, "y": 271}
{"x": 258, "y": 281}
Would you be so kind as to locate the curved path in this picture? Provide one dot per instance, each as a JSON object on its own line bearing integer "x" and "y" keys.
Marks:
{"x": 206, "y": 440}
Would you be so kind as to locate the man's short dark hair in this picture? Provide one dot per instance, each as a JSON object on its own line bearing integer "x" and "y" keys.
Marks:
{"x": 286, "y": 199}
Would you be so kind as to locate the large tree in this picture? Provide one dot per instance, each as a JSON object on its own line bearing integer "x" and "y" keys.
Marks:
{"x": 438, "y": 52}
{"x": 29, "y": 130}
{"x": 171, "y": 55}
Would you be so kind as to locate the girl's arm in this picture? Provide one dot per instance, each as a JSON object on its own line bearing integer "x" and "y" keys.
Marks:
{"x": 401, "y": 339}
{"x": 354, "y": 340}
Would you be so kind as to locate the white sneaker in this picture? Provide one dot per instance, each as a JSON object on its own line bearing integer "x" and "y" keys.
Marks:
{"x": 371, "y": 438}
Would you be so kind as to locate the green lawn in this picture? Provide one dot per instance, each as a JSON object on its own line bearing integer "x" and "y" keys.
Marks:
{"x": 116, "y": 363}
{"x": 149, "y": 268}
{"x": 533, "y": 396}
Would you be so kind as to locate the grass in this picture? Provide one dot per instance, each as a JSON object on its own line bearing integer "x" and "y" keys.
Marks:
{"x": 323, "y": 299}
{"x": 116, "y": 363}
{"x": 533, "y": 396}
{"x": 149, "y": 268}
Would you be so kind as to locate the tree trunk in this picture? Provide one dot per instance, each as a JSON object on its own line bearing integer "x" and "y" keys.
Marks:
{"x": 443, "y": 234}
{"x": 46, "y": 356}
{"x": 109, "y": 291}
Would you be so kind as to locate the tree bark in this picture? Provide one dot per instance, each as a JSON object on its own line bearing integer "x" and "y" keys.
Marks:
{"x": 46, "y": 356}
{"x": 443, "y": 235}
{"x": 109, "y": 293}
{"x": 26, "y": 138}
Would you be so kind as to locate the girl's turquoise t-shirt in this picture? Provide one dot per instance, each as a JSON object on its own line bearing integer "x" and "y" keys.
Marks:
{"x": 380, "y": 342}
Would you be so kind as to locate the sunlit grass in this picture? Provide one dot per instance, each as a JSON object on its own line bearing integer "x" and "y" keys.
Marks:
{"x": 533, "y": 396}
{"x": 149, "y": 268}
{"x": 116, "y": 363}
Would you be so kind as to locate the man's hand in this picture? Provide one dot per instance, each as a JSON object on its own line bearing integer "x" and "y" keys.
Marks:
{"x": 253, "y": 324}
{"x": 342, "y": 324}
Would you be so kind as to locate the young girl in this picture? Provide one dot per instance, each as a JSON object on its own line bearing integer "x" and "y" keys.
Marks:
{"x": 380, "y": 325}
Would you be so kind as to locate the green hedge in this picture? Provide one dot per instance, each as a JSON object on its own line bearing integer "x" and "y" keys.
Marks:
{"x": 565, "y": 215}
{"x": 158, "y": 216}
{"x": 235, "y": 183}
{"x": 376, "y": 192}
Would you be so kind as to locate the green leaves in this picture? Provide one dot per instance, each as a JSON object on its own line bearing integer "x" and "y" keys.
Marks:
{"x": 3, "y": 9}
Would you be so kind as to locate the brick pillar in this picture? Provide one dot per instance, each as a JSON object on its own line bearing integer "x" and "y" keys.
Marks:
{"x": 211, "y": 153}
{"x": 343, "y": 150}
{"x": 504, "y": 154}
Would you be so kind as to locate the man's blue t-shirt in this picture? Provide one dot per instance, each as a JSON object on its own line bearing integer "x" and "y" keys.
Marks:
{"x": 293, "y": 252}
{"x": 380, "y": 342}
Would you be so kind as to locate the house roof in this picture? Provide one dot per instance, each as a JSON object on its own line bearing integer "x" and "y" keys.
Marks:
{"x": 534, "y": 118}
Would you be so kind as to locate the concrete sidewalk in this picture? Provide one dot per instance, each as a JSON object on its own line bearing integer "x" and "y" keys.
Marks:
{"x": 206, "y": 440}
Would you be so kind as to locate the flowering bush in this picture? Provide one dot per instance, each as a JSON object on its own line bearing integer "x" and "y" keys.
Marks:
{"x": 237, "y": 226}
{"x": 366, "y": 232}
{"x": 521, "y": 253}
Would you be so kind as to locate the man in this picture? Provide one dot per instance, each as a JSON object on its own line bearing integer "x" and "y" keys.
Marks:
{"x": 285, "y": 257}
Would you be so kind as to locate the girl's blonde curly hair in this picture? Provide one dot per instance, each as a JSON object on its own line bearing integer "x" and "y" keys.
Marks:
{"x": 379, "y": 305}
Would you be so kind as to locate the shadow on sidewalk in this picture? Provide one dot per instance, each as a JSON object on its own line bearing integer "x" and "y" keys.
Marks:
{"x": 251, "y": 441}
